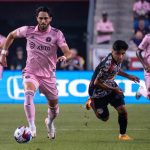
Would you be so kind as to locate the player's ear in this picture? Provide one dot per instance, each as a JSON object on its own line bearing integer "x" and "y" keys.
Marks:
{"x": 36, "y": 18}
{"x": 50, "y": 18}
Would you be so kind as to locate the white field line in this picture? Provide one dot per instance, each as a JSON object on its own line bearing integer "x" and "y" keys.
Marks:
{"x": 87, "y": 129}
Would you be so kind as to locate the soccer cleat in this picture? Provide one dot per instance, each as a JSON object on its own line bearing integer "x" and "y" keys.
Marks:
{"x": 33, "y": 131}
{"x": 88, "y": 104}
{"x": 138, "y": 94}
{"x": 124, "y": 137}
{"x": 51, "y": 129}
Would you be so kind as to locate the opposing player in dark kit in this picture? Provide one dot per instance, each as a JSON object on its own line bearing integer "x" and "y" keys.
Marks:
{"x": 103, "y": 90}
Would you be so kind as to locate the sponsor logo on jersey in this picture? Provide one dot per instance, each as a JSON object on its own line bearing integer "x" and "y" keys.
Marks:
{"x": 39, "y": 47}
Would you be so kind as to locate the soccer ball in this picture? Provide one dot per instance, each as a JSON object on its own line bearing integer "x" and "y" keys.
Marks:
{"x": 22, "y": 134}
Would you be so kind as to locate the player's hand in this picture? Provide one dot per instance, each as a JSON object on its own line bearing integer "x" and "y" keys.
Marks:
{"x": 134, "y": 78}
{"x": 62, "y": 58}
{"x": 3, "y": 60}
{"x": 118, "y": 91}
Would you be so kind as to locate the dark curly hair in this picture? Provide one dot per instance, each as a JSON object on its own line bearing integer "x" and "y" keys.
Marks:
{"x": 120, "y": 45}
{"x": 43, "y": 9}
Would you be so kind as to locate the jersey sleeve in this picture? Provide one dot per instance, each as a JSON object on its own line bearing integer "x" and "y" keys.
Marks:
{"x": 61, "y": 39}
{"x": 143, "y": 45}
{"x": 22, "y": 31}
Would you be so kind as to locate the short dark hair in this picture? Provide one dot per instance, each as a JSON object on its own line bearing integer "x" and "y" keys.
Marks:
{"x": 120, "y": 45}
{"x": 44, "y": 9}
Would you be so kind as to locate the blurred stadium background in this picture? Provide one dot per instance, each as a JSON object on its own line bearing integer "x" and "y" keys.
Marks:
{"x": 77, "y": 128}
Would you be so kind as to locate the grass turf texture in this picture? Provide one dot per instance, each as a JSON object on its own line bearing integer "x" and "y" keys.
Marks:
{"x": 77, "y": 129}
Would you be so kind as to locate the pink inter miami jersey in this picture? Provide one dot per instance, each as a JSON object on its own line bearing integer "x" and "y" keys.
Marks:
{"x": 41, "y": 49}
{"x": 145, "y": 45}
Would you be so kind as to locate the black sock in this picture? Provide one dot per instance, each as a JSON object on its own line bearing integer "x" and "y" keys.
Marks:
{"x": 122, "y": 119}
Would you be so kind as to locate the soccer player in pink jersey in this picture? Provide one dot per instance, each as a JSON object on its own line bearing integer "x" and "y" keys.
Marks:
{"x": 42, "y": 43}
{"x": 145, "y": 60}
{"x": 2, "y": 41}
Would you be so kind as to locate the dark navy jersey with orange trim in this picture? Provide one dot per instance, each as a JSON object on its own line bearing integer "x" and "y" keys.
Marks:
{"x": 104, "y": 72}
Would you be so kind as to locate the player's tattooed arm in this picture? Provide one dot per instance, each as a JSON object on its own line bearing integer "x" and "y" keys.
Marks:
{"x": 130, "y": 77}
{"x": 9, "y": 40}
{"x": 141, "y": 59}
{"x": 1, "y": 45}
{"x": 67, "y": 54}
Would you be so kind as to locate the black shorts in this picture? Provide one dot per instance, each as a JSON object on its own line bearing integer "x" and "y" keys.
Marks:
{"x": 113, "y": 99}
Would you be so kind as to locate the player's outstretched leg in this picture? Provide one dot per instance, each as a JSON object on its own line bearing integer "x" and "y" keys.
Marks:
{"x": 52, "y": 113}
{"x": 141, "y": 92}
{"x": 123, "y": 121}
{"x": 88, "y": 104}
{"x": 29, "y": 109}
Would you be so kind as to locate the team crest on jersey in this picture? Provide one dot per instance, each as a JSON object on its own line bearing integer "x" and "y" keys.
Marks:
{"x": 48, "y": 39}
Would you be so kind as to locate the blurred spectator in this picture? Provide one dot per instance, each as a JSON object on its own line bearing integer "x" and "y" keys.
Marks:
{"x": 136, "y": 40}
{"x": 141, "y": 9}
{"x": 76, "y": 63}
{"x": 18, "y": 62}
{"x": 142, "y": 27}
{"x": 104, "y": 29}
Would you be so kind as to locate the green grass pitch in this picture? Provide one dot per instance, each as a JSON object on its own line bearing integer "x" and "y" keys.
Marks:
{"x": 77, "y": 129}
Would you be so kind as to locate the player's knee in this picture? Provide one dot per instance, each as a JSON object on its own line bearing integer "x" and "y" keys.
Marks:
{"x": 102, "y": 115}
{"x": 121, "y": 109}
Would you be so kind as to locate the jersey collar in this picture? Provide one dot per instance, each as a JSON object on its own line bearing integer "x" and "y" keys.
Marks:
{"x": 48, "y": 30}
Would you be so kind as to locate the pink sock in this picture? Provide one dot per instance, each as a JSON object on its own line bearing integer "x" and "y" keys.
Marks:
{"x": 1, "y": 71}
{"x": 53, "y": 112}
{"x": 143, "y": 91}
{"x": 29, "y": 107}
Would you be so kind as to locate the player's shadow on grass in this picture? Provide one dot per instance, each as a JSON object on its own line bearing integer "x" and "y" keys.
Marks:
{"x": 119, "y": 141}
{"x": 141, "y": 140}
